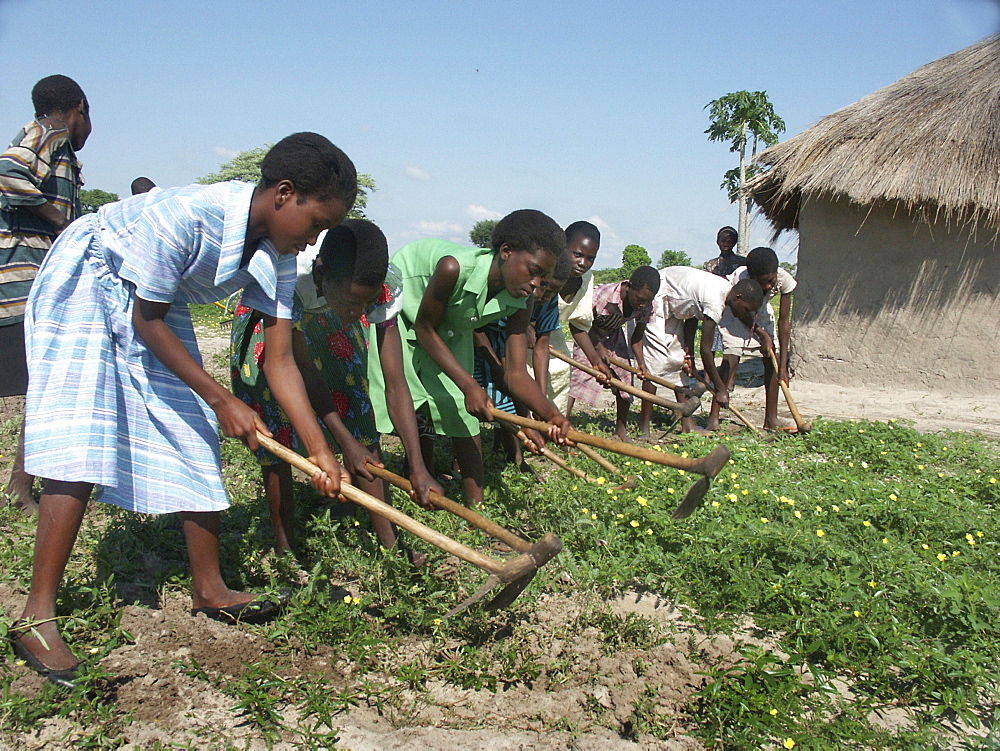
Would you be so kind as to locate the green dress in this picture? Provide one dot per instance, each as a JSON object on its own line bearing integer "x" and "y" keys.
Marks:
{"x": 469, "y": 308}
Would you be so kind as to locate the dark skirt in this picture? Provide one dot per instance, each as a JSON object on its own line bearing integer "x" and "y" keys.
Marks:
{"x": 14, "y": 371}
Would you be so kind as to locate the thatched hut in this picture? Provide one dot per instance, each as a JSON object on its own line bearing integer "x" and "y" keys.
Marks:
{"x": 897, "y": 202}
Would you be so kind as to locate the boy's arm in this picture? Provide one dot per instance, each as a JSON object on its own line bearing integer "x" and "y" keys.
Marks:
{"x": 708, "y": 327}
{"x": 429, "y": 317}
{"x": 522, "y": 386}
{"x": 582, "y": 338}
{"x": 481, "y": 343}
{"x": 637, "y": 336}
{"x": 355, "y": 455}
{"x": 404, "y": 419}
{"x": 784, "y": 334}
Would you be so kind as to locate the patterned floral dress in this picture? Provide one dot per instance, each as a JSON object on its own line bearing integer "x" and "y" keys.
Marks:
{"x": 339, "y": 351}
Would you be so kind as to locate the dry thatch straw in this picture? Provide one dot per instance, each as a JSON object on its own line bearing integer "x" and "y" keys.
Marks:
{"x": 929, "y": 143}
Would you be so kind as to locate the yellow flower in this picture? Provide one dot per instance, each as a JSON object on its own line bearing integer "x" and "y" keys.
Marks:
{"x": 835, "y": 508}
{"x": 892, "y": 497}
{"x": 857, "y": 613}
{"x": 745, "y": 492}
{"x": 656, "y": 472}
{"x": 773, "y": 712}
{"x": 864, "y": 465}
{"x": 671, "y": 491}
{"x": 763, "y": 520}
{"x": 819, "y": 509}
{"x": 789, "y": 743}
{"x": 585, "y": 511}
{"x": 920, "y": 466}
{"x": 820, "y": 533}
{"x": 620, "y": 516}
{"x": 849, "y": 502}
{"x": 872, "y": 585}
{"x": 594, "y": 517}
{"x": 955, "y": 554}
{"x": 942, "y": 557}
{"x": 601, "y": 480}
{"x": 798, "y": 514}
{"x": 925, "y": 546}
{"x": 850, "y": 464}
{"x": 715, "y": 503}
{"x": 866, "y": 523}
{"x": 574, "y": 487}
{"x": 347, "y": 599}
{"x": 993, "y": 481}
{"x": 438, "y": 621}
{"x": 633, "y": 523}
{"x": 649, "y": 531}
{"x": 681, "y": 472}
{"x": 885, "y": 540}
{"x": 979, "y": 534}
{"x": 940, "y": 474}
{"x": 732, "y": 497}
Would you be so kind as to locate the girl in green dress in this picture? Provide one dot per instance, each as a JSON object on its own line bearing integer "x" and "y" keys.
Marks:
{"x": 345, "y": 289}
{"x": 449, "y": 291}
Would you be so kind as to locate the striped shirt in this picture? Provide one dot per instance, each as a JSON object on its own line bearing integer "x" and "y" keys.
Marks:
{"x": 39, "y": 166}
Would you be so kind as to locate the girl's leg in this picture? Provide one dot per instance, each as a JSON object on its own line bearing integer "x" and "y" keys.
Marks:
{"x": 385, "y": 531}
{"x": 621, "y": 417}
{"x": 281, "y": 502}
{"x": 20, "y": 482}
{"x": 570, "y": 401}
{"x": 511, "y": 447}
{"x": 60, "y": 514}
{"x": 469, "y": 453}
{"x": 208, "y": 590}
{"x": 646, "y": 410}
{"x": 727, "y": 372}
{"x": 770, "y": 396}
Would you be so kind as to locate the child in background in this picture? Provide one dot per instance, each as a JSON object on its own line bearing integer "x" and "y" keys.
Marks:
{"x": 491, "y": 347}
{"x": 738, "y": 340}
{"x": 341, "y": 291}
{"x": 615, "y": 304}
{"x": 576, "y": 310}
{"x": 449, "y": 291}
{"x": 687, "y": 296}
{"x": 40, "y": 183}
{"x": 727, "y": 261}
{"x": 117, "y": 396}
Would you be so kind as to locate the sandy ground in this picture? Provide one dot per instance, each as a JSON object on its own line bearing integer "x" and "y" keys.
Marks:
{"x": 171, "y": 707}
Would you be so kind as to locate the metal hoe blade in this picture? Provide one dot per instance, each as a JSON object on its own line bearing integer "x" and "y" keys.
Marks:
{"x": 692, "y": 499}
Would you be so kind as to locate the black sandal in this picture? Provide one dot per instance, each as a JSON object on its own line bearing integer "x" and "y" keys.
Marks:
{"x": 64, "y": 678}
{"x": 259, "y": 610}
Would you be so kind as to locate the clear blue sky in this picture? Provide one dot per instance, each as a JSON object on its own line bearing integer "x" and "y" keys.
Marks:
{"x": 466, "y": 110}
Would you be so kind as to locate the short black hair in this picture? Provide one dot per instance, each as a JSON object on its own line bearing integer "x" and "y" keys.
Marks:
{"x": 563, "y": 268}
{"x": 761, "y": 261}
{"x": 528, "y": 229}
{"x": 142, "y": 185}
{"x": 750, "y": 291}
{"x": 355, "y": 251}
{"x": 645, "y": 277}
{"x": 583, "y": 229}
{"x": 56, "y": 94}
{"x": 317, "y": 168}
{"x": 728, "y": 231}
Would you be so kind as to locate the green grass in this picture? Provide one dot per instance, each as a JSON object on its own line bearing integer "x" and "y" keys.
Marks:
{"x": 867, "y": 552}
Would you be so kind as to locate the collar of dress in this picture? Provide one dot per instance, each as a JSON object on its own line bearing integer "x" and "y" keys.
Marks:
{"x": 478, "y": 282}
{"x": 263, "y": 265}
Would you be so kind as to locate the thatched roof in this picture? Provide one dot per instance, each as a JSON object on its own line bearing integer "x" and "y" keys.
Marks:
{"x": 929, "y": 143}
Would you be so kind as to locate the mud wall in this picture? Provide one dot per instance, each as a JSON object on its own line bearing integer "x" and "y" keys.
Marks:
{"x": 884, "y": 298}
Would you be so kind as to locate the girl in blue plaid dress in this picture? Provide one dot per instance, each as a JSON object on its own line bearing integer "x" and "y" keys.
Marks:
{"x": 117, "y": 397}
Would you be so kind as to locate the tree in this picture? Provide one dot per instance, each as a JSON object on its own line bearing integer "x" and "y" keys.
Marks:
{"x": 673, "y": 258}
{"x": 789, "y": 267}
{"x": 92, "y": 199}
{"x": 736, "y": 118}
{"x": 246, "y": 166}
{"x": 481, "y": 233}
{"x": 633, "y": 257}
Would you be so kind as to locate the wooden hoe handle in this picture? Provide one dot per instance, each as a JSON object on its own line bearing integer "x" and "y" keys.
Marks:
{"x": 685, "y": 409}
{"x": 800, "y": 424}
{"x": 655, "y": 379}
{"x": 709, "y": 465}
{"x": 507, "y": 572}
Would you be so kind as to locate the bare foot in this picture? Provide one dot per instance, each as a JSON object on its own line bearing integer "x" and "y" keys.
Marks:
{"x": 42, "y": 640}
{"x": 712, "y": 423}
{"x": 18, "y": 490}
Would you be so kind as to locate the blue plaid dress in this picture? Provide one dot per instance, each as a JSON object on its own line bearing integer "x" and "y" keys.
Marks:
{"x": 101, "y": 408}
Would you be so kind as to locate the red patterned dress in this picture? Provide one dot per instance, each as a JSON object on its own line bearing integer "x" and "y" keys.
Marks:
{"x": 340, "y": 353}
